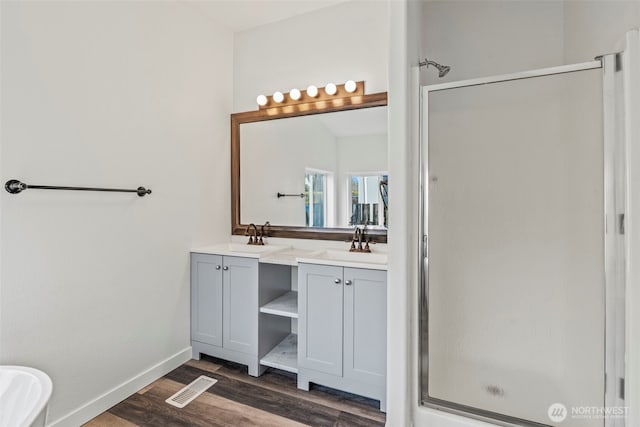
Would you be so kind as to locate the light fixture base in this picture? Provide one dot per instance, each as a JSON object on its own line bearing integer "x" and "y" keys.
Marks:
{"x": 340, "y": 95}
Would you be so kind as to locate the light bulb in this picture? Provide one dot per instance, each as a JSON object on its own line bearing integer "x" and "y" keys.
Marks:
{"x": 312, "y": 91}
{"x": 350, "y": 86}
{"x": 331, "y": 89}
{"x": 278, "y": 97}
{"x": 261, "y": 100}
{"x": 294, "y": 94}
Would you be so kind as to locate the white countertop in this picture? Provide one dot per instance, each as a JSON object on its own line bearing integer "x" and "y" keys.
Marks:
{"x": 288, "y": 255}
{"x": 373, "y": 260}
{"x": 239, "y": 249}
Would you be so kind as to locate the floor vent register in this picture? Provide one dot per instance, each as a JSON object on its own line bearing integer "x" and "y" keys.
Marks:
{"x": 183, "y": 397}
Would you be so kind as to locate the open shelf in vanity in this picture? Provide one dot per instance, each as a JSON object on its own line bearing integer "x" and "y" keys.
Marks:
{"x": 278, "y": 339}
{"x": 284, "y": 355}
{"x": 285, "y": 305}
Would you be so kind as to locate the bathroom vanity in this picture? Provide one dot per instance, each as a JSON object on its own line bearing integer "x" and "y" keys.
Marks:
{"x": 314, "y": 168}
{"x": 320, "y": 314}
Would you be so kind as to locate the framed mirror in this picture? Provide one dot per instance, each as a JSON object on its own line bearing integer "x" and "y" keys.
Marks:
{"x": 314, "y": 170}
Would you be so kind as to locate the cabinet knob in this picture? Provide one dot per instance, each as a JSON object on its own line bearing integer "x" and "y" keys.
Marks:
{"x": 337, "y": 281}
{"x": 347, "y": 282}
{"x": 225, "y": 268}
{"x": 217, "y": 267}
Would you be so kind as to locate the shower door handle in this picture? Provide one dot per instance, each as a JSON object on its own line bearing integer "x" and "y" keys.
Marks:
{"x": 425, "y": 246}
{"x": 424, "y": 276}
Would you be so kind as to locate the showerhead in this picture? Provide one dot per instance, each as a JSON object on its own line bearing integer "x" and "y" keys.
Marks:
{"x": 442, "y": 69}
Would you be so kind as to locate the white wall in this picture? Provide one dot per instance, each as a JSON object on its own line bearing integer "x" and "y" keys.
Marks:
{"x": 404, "y": 51}
{"x": 95, "y": 286}
{"x": 362, "y": 153}
{"x": 483, "y": 38}
{"x": 348, "y": 41}
{"x": 593, "y": 28}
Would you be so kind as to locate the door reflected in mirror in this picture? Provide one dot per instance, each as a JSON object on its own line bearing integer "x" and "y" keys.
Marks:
{"x": 325, "y": 170}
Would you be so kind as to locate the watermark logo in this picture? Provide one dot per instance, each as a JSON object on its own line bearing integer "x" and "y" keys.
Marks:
{"x": 557, "y": 412}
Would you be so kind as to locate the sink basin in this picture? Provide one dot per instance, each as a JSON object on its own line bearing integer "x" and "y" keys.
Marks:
{"x": 288, "y": 256}
{"x": 253, "y": 249}
{"x": 240, "y": 249}
{"x": 373, "y": 258}
{"x": 374, "y": 261}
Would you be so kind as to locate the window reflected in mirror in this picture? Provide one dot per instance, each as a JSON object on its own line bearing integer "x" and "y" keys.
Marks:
{"x": 369, "y": 200}
{"x": 316, "y": 185}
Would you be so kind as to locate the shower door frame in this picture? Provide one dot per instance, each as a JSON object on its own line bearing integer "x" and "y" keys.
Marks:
{"x": 613, "y": 280}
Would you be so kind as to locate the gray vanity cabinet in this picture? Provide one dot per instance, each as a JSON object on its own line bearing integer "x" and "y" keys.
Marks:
{"x": 206, "y": 299}
{"x": 365, "y": 325}
{"x": 342, "y": 329}
{"x": 320, "y": 299}
{"x": 240, "y": 304}
{"x": 224, "y": 308}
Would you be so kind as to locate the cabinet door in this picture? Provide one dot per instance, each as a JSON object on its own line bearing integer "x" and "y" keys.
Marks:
{"x": 320, "y": 318}
{"x": 206, "y": 299}
{"x": 240, "y": 304}
{"x": 365, "y": 325}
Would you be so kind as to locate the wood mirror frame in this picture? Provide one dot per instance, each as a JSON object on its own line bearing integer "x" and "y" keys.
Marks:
{"x": 318, "y": 107}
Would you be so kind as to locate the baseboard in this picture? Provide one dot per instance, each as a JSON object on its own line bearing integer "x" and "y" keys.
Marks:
{"x": 100, "y": 404}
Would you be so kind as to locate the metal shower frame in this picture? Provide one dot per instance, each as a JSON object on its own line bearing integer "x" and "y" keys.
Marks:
{"x": 614, "y": 191}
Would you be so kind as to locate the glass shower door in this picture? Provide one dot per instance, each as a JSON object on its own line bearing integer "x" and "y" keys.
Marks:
{"x": 514, "y": 317}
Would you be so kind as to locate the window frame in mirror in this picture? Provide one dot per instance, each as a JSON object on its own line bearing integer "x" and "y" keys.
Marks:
{"x": 288, "y": 111}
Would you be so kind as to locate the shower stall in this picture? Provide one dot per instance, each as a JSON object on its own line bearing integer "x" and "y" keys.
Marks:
{"x": 522, "y": 295}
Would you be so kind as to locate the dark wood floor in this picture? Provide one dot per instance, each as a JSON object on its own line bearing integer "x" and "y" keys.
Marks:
{"x": 240, "y": 400}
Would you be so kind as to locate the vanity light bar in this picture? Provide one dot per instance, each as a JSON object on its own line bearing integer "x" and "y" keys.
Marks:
{"x": 330, "y": 92}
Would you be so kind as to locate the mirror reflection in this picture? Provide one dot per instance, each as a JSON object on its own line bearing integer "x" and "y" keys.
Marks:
{"x": 322, "y": 170}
